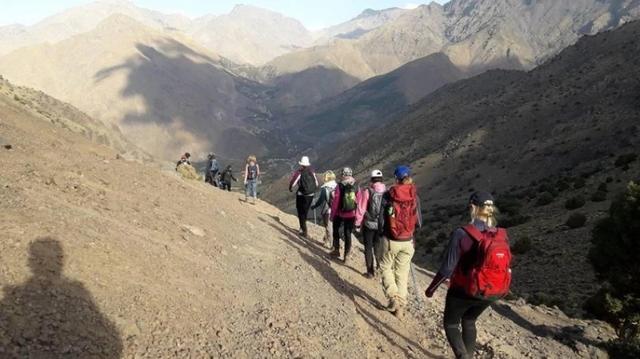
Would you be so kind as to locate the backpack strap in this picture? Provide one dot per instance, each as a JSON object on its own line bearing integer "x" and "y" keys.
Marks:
{"x": 473, "y": 232}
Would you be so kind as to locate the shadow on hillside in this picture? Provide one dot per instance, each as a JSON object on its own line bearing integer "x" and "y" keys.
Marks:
{"x": 191, "y": 97}
{"x": 568, "y": 336}
{"x": 52, "y": 316}
{"x": 322, "y": 264}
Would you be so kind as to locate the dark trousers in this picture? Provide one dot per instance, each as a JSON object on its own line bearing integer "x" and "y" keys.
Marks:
{"x": 371, "y": 248}
{"x": 462, "y": 310}
{"x": 348, "y": 224}
{"x": 226, "y": 186}
{"x": 303, "y": 203}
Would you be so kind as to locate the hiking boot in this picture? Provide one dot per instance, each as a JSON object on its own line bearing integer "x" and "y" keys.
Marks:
{"x": 400, "y": 311}
{"x": 392, "y": 306}
{"x": 335, "y": 253}
{"x": 369, "y": 275}
{"x": 346, "y": 258}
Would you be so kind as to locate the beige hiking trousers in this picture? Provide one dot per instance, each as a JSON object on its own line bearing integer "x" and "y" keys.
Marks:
{"x": 395, "y": 265}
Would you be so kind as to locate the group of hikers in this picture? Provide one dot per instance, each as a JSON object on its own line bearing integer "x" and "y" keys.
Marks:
{"x": 476, "y": 262}
{"x": 223, "y": 178}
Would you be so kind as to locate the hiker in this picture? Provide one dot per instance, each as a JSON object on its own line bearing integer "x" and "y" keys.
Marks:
{"x": 307, "y": 183}
{"x": 226, "y": 177}
{"x": 476, "y": 251}
{"x": 401, "y": 218}
{"x": 251, "y": 175}
{"x": 324, "y": 203}
{"x": 369, "y": 221}
{"x": 212, "y": 170}
{"x": 184, "y": 159}
{"x": 343, "y": 212}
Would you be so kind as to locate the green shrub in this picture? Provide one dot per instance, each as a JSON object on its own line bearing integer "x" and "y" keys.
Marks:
{"x": 579, "y": 183}
{"x": 599, "y": 196}
{"x": 625, "y": 160}
{"x": 574, "y": 202}
{"x": 544, "y": 199}
{"x": 576, "y": 220}
{"x": 614, "y": 256}
{"x": 563, "y": 185}
{"x": 603, "y": 187}
{"x": 522, "y": 246}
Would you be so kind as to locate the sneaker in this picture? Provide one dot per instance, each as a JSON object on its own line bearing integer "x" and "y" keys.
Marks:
{"x": 369, "y": 275}
{"x": 335, "y": 253}
{"x": 399, "y": 313}
{"x": 346, "y": 258}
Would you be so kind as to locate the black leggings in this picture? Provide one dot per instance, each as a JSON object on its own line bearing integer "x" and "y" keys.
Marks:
{"x": 348, "y": 224}
{"x": 303, "y": 203}
{"x": 461, "y": 309}
{"x": 371, "y": 248}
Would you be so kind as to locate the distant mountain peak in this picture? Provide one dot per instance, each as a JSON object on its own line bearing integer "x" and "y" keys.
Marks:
{"x": 372, "y": 12}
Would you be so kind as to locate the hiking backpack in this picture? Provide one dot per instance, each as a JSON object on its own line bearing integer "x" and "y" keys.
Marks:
{"x": 402, "y": 217}
{"x": 487, "y": 273}
{"x": 252, "y": 172}
{"x": 348, "y": 201}
{"x": 373, "y": 217}
{"x": 307, "y": 183}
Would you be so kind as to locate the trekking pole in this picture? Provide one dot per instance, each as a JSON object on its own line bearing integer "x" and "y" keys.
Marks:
{"x": 314, "y": 217}
{"x": 415, "y": 286}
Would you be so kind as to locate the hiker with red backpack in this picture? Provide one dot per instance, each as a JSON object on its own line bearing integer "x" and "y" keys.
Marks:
{"x": 343, "y": 212}
{"x": 368, "y": 217}
{"x": 402, "y": 215}
{"x": 478, "y": 261}
{"x": 307, "y": 182}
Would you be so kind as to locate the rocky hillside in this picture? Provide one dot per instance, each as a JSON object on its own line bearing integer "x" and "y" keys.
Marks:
{"x": 475, "y": 34}
{"x": 368, "y": 105}
{"x": 110, "y": 258}
{"x": 46, "y": 108}
{"x": 553, "y": 143}
{"x": 165, "y": 93}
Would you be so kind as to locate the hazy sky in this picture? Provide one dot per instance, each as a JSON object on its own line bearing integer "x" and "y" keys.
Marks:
{"x": 314, "y": 14}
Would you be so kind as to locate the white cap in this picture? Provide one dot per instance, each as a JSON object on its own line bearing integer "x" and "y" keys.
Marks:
{"x": 376, "y": 174}
{"x": 304, "y": 161}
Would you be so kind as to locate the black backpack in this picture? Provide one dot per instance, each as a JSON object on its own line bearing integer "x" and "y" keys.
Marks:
{"x": 252, "y": 172}
{"x": 374, "y": 217}
{"x": 307, "y": 184}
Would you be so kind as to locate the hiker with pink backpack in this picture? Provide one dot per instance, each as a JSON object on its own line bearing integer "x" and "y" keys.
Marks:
{"x": 343, "y": 212}
{"x": 478, "y": 262}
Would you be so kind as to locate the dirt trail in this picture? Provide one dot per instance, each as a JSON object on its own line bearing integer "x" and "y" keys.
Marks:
{"x": 105, "y": 258}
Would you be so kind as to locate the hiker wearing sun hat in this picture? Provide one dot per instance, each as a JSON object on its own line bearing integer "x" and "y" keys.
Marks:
{"x": 307, "y": 182}
{"x": 369, "y": 218}
{"x": 402, "y": 216}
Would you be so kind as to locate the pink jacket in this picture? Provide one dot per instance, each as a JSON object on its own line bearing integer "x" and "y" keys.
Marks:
{"x": 363, "y": 200}
{"x": 335, "y": 201}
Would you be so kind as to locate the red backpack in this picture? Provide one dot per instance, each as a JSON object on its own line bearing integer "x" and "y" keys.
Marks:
{"x": 488, "y": 274}
{"x": 402, "y": 211}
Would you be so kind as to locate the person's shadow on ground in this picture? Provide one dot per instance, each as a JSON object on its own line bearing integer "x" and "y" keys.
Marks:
{"x": 51, "y": 316}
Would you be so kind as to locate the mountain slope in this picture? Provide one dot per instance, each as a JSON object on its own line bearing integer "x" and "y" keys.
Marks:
{"x": 538, "y": 139}
{"x": 166, "y": 94}
{"x": 371, "y": 103}
{"x": 81, "y": 19}
{"x": 475, "y": 34}
{"x": 63, "y": 115}
{"x": 118, "y": 259}
{"x": 250, "y": 35}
